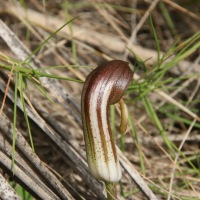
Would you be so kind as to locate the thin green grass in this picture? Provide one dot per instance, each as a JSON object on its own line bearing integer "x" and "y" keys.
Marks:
{"x": 116, "y": 7}
{"x": 168, "y": 19}
{"x": 131, "y": 193}
{"x": 46, "y": 40}
{"x": 155, "y": 78}
{"x": 155, "y": 38}
{"x": 23, "y": 71}
{"x": 35, "y": 73}
{"x": 22, "y": 84}
{"x": 65, "y": 6}
{"x": 175, "y": 117}
{"x": 138, "y": 145}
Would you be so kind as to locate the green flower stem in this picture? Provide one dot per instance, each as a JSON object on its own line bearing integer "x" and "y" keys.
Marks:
{"x": 111, "y": 191}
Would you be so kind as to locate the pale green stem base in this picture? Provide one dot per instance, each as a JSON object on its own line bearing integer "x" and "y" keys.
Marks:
{"x": 111, "y": 191}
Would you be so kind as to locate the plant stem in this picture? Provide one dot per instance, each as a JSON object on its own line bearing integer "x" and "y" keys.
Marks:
{"x": 111, "y": 191}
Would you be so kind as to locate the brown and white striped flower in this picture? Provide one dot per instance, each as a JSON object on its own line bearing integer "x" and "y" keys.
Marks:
{"x": 104, "y": 86}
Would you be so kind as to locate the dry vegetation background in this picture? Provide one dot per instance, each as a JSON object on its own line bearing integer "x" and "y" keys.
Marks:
{"x": 102, "y": 32}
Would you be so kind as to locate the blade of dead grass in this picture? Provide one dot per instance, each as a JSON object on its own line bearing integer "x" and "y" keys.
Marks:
{"x": 109, "y": 18}
{"x": 136, "y": 177}
{"x": 176, "y": 103}
{"x": 155, "y": 119}
{"x": 7, "y": 87}
{"x": 180, "y": 8}
{"x": 176, "y": 159}
{"x": 177, "y": 166}
{"x": 74, "y": 51}
{"x": 138, "y": 27}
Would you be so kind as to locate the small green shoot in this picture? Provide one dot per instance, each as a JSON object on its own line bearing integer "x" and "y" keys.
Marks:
{"x": 22, "y": 82}
{"x": 21, "y": 191}
{"x": 156, "y": 39}
{"x": 74, "y": 51}
{"x": 46, "y": 40}
{"x": 168, "y": 19}
{"x": 14, "y": 120}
